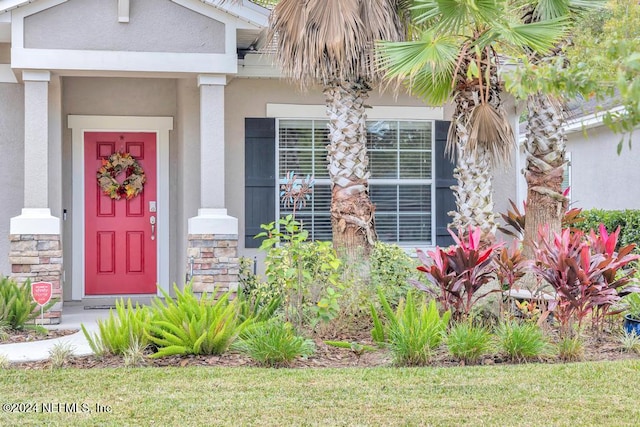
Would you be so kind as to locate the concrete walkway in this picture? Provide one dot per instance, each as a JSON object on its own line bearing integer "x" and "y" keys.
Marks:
{"x": 72, "y": 317}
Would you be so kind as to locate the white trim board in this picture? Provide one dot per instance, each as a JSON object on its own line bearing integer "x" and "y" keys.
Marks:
{"x": 383, "y": 112}
{"x": 81, "y": 124}
{"x": 157, "y": 62}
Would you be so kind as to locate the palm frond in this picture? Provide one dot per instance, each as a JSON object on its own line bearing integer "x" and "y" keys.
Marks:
{"x": 425, "y": 11}
{"x": 318, "y": 40}
{"x": 491, "y": 131}
{"x": 425, "y": 66}
{"x": 432, "y": 86}
{"x": 332, "y": 44}
{"x": 325, "y": 40}
{"x": 455, "y": 16}
{"x": 540, "y": 36}
{"x": 385, "y": 19}
{"x": 552, "y": 9}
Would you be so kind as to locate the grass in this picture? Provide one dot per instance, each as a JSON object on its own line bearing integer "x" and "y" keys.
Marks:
{"x": 601, "y": 393}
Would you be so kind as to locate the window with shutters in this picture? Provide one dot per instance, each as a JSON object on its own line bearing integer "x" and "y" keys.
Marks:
{"x": 401, "y": 184}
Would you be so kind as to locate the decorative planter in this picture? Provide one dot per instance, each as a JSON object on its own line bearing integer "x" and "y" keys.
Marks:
{"x": 631, "y": 325}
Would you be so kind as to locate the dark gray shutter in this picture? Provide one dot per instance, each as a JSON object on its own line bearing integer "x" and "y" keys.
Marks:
{"x": 445, "y": 200}
{"x": 259, "y": 176}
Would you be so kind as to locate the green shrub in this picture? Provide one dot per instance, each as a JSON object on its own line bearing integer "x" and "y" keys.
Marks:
{"x": 246, "y": 279}
{"x": 630, "y": 342}
{"x": 253, "y": 307}
{"x": 305, "y": 274}
{"x": 521, "y": 341}
{"x": 273, "y": 344}
{"x": 628, "y": 221}
{"x": 120, "y": 330}
{"x": 570, "y": 349}
{"x": 60, "y": 354}
{"x": 134, "y": 356}
{"x": 192, "y": 325}
{"x": 255, "y": 300}
{"x": 468, "y": 342}
{"x": 413, "y": 331}
{"x": 390, "y": 270}
{"x": 17, "y": 306}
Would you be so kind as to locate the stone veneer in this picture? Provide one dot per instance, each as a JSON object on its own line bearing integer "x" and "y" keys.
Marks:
{"x": 38, "y": 257}
{"x": 215, "y": 262}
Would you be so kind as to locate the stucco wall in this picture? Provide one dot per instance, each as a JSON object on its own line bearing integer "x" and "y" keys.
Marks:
{"x": 188, "y": 163}
{"x": 600, "y": 178}
{"x": 11, "y": 163}
{"x": 122, "y": 97}
{"x": 5, "y": 53}
{"x": 154, "y": 26}
{"x": 249, "y": 98}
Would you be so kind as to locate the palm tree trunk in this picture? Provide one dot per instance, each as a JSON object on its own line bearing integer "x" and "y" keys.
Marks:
{"x": 545, "y": 147}
{"x": 352, "y": 213}
{"x": 474, "y": 192}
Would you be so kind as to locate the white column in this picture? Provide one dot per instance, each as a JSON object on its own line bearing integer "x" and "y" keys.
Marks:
{"x": 36, "y": 216}
{"x": 212, "y": 216}
{"x": 211, "y": 141}
{"x": 123, "y": 10}
{"x": 36, "y": 138}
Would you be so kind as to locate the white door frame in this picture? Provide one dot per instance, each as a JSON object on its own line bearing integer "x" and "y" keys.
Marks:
{"x": 81, "y": 124}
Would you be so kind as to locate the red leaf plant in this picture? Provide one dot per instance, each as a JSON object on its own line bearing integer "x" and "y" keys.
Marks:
{"x": 459, "y": 272}
{"x": 511, "y": 265}
{"x": 585, "y": 272}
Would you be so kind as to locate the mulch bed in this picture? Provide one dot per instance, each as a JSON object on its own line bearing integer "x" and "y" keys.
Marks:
{"x": 607, "y": 347}
{"x": 29, "y": 335}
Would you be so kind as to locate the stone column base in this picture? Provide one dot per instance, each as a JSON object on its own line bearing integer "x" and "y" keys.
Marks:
{"x": 212, "y": 251}
{"x": 213, "y": 263}
{"x": 35, "y": 254}
{"x": 38, "y": 258}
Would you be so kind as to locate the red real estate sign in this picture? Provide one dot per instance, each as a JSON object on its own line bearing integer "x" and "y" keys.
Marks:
{"x": 41, "y": 292}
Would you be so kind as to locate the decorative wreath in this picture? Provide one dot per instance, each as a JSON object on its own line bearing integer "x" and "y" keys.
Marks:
{"x": 116, "y": 164}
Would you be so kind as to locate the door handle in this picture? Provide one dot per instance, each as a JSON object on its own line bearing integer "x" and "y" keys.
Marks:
{"x": 152, "y": 221}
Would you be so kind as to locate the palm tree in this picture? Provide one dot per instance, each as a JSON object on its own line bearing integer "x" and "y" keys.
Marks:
{"x": 456, "y": 59}
{"x": 330, "y": 42}
{"x": 545, "y": 142}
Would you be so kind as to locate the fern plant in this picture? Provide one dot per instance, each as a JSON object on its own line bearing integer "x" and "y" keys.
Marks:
{"x": 17, "y": 307}
{"x": 120, "y": 330}
{"x": 413, "y": 331}
{"x": 188, "y": 325}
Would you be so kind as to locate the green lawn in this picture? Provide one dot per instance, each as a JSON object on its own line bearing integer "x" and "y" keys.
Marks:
{"x": 604, "y": 393}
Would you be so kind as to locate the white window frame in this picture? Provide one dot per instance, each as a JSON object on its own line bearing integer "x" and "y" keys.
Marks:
{"x": 373, "y": 181}
{"x": 567, "y": 158}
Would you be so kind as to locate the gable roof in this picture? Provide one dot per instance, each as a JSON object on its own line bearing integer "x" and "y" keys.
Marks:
{"x": 7, "y": 5}
{"x": 247, "y": 11}
{"x": 251, "y": 18}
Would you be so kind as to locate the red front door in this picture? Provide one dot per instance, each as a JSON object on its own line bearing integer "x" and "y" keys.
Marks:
{"x": 120, "y": 235}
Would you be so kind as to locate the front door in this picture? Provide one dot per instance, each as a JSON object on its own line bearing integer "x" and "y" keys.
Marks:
{"x": 120, "y": 218}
